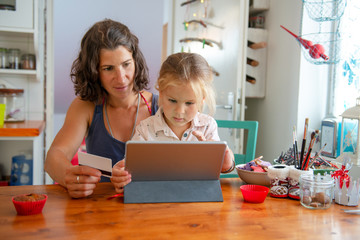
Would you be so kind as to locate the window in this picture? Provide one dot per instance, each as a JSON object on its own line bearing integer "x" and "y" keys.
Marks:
{"x": 346, "y": 73}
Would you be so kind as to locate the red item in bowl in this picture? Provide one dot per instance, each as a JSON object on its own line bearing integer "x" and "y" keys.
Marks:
{"x": 254, "y": 193}
{"x": 257, "y": 169}
{"x": 29, "y": 204}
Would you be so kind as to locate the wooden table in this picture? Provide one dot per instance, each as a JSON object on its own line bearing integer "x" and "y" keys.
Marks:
{"x": 96, "y": 217}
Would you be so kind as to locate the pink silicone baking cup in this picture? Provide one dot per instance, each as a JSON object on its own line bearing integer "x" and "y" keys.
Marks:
{"x": 29, "y": 207}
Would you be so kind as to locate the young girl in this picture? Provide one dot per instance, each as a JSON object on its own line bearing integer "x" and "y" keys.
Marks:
{"x": 184, "y": 85}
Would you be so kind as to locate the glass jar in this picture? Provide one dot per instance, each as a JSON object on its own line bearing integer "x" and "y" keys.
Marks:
{"x": 3, "y": 57}
{"x": 316, "y": 191}
{"x": 14, "y": 104}
{"x": 28, "y": 61}
{"x": 14, "y": 58}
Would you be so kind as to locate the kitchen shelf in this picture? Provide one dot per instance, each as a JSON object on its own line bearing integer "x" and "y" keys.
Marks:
{"x": 18, "y": 72}
{"x": 257, "y": 34}
{"x": 21, "y": 17}
{"x": 257, "y": 6}
{"x": 28, "y": 136}
{"x": 24, "y": 29}
{"x": 256, "y": 90}
{"x": 22, "y": 129}
{"x": 21, "y": 32}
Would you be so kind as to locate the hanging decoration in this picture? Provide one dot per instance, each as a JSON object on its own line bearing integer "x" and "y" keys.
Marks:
{"x": 329, "y": 10}
{"x": 204, "y": 41}
{"x": 196, "y": 26}
{"x": 327, "y": 15}
{"x": 188, "y": 2}
{"x": 186, "y": 23}
{"x": 315, "y": 50}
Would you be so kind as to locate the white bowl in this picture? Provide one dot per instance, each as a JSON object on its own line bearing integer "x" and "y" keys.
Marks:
{"x": 251, "y": 177}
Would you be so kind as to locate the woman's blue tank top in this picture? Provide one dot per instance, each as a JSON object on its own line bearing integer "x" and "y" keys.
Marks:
{"x": 100, "y": 142}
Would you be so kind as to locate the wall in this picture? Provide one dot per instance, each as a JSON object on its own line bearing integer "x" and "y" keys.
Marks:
{"x": 71, "y": 19}
{"x": 293, "y": 92}
{"x": 295, "y": 88}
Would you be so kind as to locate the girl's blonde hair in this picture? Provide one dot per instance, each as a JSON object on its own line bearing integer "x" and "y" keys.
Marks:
{"x": 192, "y": 69}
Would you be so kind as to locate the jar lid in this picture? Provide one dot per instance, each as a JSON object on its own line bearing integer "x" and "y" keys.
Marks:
{"x": 28, "y": 55}
{"x": 9, "y": 90}
{"x": 317, "y": 179}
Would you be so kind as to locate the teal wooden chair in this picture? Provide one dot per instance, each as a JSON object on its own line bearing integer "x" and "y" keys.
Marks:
{"x": 250, "y": 134}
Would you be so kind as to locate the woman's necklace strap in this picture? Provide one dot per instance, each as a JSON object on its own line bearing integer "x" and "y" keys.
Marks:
{"x": 136, "y": 116}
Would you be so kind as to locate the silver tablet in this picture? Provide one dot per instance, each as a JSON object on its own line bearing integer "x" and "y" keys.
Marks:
{"x": 148, "y": 160}
{"x": 174, "y": 171}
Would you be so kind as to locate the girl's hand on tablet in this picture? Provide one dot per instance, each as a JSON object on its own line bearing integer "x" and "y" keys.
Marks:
{"x": 199, "y": 135}
{"x": 229, "y": 163}
{"x": 120, "y": 177}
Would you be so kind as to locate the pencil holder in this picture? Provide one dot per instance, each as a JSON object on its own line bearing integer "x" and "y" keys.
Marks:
{"x": 294, "y": 178}
{"x": 278, "y": 175}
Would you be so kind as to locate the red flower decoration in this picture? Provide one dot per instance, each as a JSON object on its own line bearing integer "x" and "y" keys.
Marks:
{"x": 342, "y": 174}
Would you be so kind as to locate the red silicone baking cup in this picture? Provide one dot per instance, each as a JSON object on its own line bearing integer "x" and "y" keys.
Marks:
{"x": 254, "y": 193}
{"x": 29, "y": 207}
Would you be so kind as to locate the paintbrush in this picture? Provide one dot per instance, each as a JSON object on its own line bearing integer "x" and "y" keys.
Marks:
{"x": 308, "y": 153}
{"x": 294, "y": 151}
{"x": 317, "y": 155}
{"x": 328, "y": 162}
{"x": 296, "y": 148}
{"x": 305, "y": 163}
{"x": 303, "y": 143}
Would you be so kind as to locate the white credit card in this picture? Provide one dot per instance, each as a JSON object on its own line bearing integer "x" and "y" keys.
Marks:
{"x": 104, "y": 165}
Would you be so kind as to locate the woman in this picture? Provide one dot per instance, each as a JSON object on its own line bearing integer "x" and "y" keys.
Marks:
{"x": 109, "y": 76}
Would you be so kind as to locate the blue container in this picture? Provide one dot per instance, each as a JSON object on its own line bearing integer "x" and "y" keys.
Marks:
{"x": 21, "y": 171}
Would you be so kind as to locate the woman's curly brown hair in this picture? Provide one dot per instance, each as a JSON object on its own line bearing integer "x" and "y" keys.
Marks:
{"x": 106, "y": 34}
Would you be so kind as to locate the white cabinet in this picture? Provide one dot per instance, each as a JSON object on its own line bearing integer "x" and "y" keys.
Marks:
{"x": 23, "y": 29}
{"x": 255, "y": 87}
{"x": 20, "y": 19}
{"x": 28, "y": 36}
{"x": 23, "y": 138}
{"x": 257, "y": 56}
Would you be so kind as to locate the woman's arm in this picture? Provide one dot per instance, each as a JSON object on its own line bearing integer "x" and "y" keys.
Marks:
{"x": 79, "y": 180}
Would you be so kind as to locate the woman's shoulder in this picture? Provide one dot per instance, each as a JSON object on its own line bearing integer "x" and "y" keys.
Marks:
{"x": 152, "y": 99}
{"x": 80, "y": 107}
{"x": 149, "y": 96}
{"x": 83, "y": 104}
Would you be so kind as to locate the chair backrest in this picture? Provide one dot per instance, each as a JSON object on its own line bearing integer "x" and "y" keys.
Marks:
{"x": 249, "y": 153}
